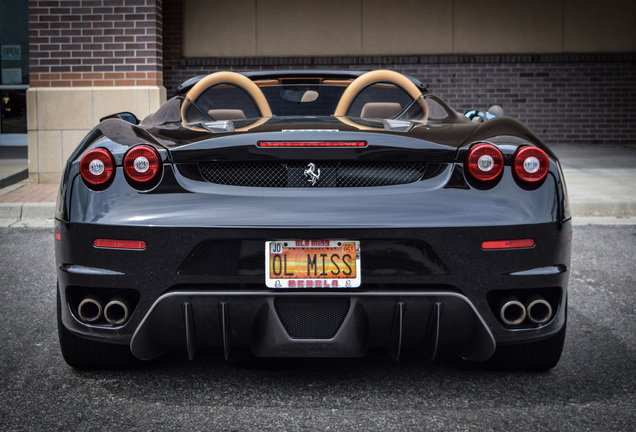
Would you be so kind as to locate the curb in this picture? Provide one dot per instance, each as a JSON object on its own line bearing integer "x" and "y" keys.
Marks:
{"x": 10, "y": 210}
{"x": 38, "y": 210}
{"x": 29, "y": 210}
{"x": 595, "y": 208}
{"x": 603, "y": 220}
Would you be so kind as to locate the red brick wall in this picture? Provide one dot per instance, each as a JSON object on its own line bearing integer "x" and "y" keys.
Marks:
{"x": 84, "y": 43}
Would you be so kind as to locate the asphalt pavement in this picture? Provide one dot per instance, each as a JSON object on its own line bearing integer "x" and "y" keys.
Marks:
{"x": 590, "y": 390}
{"x": 600, "y": 178}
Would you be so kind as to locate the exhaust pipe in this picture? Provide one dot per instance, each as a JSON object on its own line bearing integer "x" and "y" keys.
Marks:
{"x": 539, "y": 310}
{"x": 90, "y": 309}
{"x": 512, "y": 311}
{"x": 116, "y": 311}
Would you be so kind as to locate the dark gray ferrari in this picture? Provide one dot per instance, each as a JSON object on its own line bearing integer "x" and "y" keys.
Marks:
{"x": 311, "y": 214}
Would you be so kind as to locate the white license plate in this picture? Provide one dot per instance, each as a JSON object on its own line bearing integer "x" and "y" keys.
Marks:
{"x": 312, "y": 264}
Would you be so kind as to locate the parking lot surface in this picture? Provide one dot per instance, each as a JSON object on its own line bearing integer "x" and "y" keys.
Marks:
{"x": 591, "y": 389}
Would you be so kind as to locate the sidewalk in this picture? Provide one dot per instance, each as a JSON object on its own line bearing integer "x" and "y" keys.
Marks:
{"x": 601, "y": 182}
{"x": 601, "y": 179}
{"x": 23, "y": 204}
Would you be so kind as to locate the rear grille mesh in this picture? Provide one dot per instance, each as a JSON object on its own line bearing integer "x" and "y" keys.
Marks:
{"x": 312, "y": 317}
{"x": 293, "y": 174}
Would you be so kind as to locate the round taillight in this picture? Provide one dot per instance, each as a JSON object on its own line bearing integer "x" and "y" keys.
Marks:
{"x": 97, "y": 167}
{"x": 484, "y": 162}
{"x": 530, "y": 164}
{"x": 142, "y": 163}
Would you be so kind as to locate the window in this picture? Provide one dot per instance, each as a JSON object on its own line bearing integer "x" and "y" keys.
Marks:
{"x": 14, "y": 71}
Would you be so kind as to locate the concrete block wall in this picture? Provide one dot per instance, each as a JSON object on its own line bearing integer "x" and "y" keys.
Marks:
{"x": 242, "y": 28}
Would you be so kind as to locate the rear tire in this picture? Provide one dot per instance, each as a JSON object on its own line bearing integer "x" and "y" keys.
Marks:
{"x": 538, "y": 356}
{"x": 87, "y": 354}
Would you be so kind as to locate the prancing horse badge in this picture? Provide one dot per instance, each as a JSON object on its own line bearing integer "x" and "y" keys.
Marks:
{"x": 312, "y": 173}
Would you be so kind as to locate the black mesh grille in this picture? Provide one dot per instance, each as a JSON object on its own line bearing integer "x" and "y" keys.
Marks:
{"x": 295, "y": 174}
{"x": 312, "y": 317}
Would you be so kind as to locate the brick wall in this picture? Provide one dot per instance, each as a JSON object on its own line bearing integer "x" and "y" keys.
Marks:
{"x": 564, "y": 98}
{"x": 84, "y": 43}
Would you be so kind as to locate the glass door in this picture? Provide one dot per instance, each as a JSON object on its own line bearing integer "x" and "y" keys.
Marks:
{"x": 14, "y": 71}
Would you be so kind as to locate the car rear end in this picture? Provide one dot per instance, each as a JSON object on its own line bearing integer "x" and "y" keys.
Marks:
{"x": 240, "y": 241}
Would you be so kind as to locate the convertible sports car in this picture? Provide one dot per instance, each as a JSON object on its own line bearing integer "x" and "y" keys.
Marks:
{"x": 311, "y": 214}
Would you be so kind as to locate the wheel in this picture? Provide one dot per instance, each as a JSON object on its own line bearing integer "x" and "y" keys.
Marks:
{"x": 539, "y": 356}
{"x": 87, "y": 354}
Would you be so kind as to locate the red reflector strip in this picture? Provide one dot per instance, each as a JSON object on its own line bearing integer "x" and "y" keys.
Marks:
{"x": 508, "y": 244}
{"x": 119, "y": 244}
{"x": 312, "y": 144}
{"x": 58, "y": 236}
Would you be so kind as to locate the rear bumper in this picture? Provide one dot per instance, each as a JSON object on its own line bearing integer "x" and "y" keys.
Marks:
{"x": 200, "y": 287}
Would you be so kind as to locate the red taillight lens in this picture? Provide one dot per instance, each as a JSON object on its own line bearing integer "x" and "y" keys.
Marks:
{"x": 142, "y": 163}
{"x": 530, "y": 164}
{"x": 484, "y": 162}
{"x": 97, "y": 167}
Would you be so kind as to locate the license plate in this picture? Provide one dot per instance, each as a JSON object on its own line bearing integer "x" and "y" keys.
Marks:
{"x": 312, "y": 264}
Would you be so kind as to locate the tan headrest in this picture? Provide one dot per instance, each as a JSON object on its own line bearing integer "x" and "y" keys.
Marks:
{"x": 383, "y": 110}
{"x": 227, "y": 114}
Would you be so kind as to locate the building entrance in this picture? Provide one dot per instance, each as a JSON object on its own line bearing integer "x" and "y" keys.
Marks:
{"x": 14, "y": 72}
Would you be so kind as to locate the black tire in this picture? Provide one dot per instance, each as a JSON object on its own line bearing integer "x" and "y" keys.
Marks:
{"x": 83, "y": 353}
{"x": 537, "y": 356}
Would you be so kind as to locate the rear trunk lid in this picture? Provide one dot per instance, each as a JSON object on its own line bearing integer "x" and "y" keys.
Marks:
{"x": 317, "y": 153}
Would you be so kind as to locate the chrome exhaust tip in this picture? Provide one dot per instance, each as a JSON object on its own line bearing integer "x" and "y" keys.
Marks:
{"x": 117, "y": 311}
{"x": 539, "y": 310}
{"x": 90, "y": 309}
{"x": 512, "y": 312}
